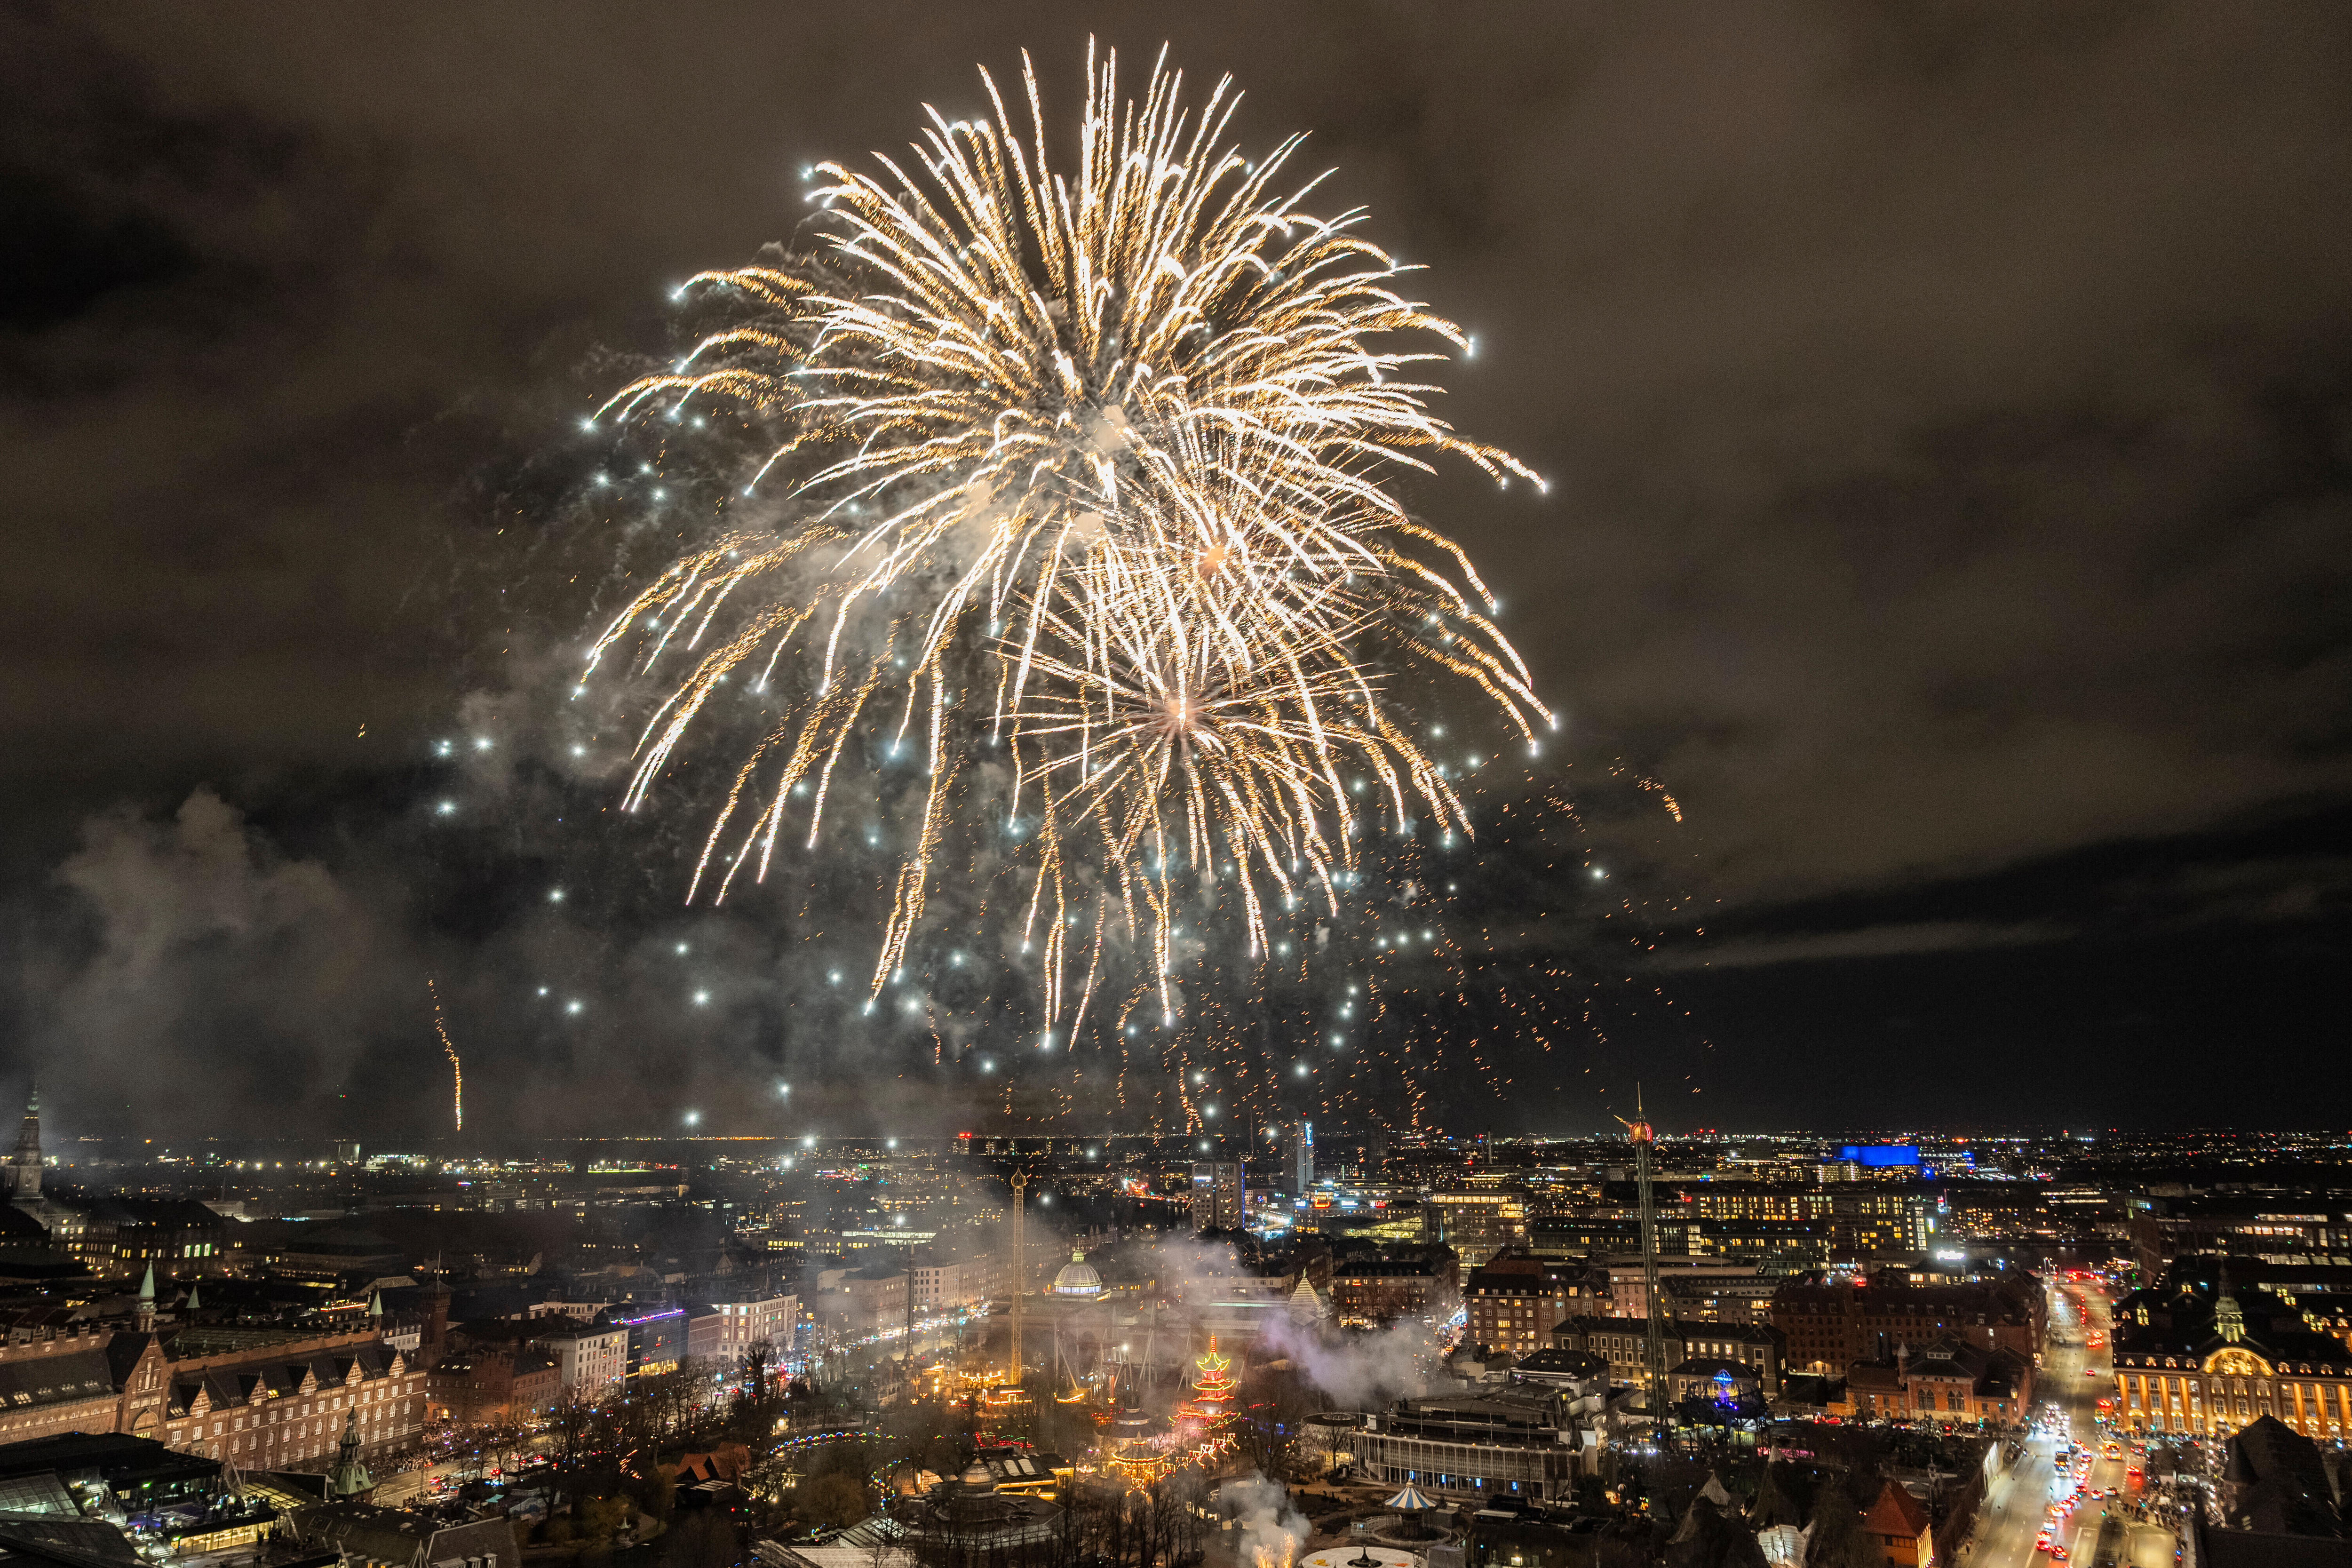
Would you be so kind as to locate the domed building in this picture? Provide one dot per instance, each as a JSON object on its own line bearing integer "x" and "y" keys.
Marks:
{"x": 1077, "y": 1279}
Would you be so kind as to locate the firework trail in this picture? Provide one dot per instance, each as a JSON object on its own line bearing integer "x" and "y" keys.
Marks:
{"x": 457, "y": 1068}
{"x": 1082, "y": 497}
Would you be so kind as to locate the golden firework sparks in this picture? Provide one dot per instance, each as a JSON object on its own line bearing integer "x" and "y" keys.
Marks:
{"x": 457, "y": 1068}
{"x": 1110, "y": 447}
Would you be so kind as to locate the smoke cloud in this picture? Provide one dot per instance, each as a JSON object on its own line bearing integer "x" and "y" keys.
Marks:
{"x": 1355, "y": 1370}
{"x": 1267, "y": 1531}
{"x": 195, "y": 971}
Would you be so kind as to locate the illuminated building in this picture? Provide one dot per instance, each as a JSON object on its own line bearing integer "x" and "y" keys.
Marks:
{"x": 1624, "y": 1344}
{"x": 2162, "y": 1229}
{"x": 1518, "y": 1442}
{"x": 1715, "y": 1292}
{"x": 1219, "y": 1195}
{"x": 274, "y": 1406}
{"x": 21, "y": 1177}
{"x": 1517, "y": 1299}
{"x": 266, "y": 1399}
{"x": 754, "y": 1318}
{"x": 1077, "y": 1279}
{"x": 2197, "y": 1360}
{"x": 590, "y": 1358}
{"x": 1873, "y": 1222}
{"x": 120, "y": 1237}
{"x": 1943, "y": 1381}
{"x": 1375, "y": 1292}
{"x": 1830, "y": 1324}
{"x": 1898, "y": 1524}
{"x": 1206, "y": 1422}
{"x": 1715, "y": 1378}
{"x": 1477, "y": 1224}
{"x": 656, "y": 1341}
{"x": 480, "y": 1387}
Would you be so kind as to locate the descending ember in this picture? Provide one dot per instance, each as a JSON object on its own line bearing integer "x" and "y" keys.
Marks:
{"x": 457, "y": 1068}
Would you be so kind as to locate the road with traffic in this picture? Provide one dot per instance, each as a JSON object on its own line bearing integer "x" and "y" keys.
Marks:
{"x": 2052, "y": 1504}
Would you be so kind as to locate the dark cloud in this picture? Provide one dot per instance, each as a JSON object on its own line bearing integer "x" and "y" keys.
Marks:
{"x": 1950, "y": 409}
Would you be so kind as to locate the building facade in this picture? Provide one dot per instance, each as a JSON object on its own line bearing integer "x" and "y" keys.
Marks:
{"x": 1624, "y": 1345}
{"x": 1946, "y": 1381}
{"x": 1372, "y": 1293}
{"x": 2209, "y": 1365}
{"x": 1219, "y": 1195}
{"x": 590, "y": 1358}
{"x": 266, "y": 1399}
{"x": 486, "y": 1386}
{"x": 1476, "y": 1222}
{"x": 1832, "y": 1323}
{"x": 753, "y": 1319}
{"x": 1515, "y": 1301}
{"x": 1711, "y": 1292}
{"x": 272, "y": 1406}
{"x": 1518, "y": 1442}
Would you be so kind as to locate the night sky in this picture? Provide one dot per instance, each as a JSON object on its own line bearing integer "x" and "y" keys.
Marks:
{"x": 1948, "y": 411}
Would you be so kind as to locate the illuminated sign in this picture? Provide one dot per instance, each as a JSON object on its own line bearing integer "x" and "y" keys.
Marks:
{"x": 1879, "y": 1156}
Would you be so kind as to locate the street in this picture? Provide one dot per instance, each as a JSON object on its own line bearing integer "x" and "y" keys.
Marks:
{"x": 2017, "y": 1511}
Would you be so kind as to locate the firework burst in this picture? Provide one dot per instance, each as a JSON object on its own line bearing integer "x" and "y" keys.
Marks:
{"x": 1089, "y": 469}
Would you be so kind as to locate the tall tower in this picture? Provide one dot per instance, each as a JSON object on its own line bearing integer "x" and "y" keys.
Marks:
{"x": 1644, "y": 1136}
{"x": 1302, "y": 1157}
{"x": 24, "y": 1173}
{"x": 1020, "y": 1266}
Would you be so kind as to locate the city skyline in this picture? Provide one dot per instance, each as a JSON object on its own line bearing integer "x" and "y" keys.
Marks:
{"x": 1939, "y": 579}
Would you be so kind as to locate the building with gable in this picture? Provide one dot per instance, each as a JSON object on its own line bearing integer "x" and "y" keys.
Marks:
{"x": 1899, "y": 1523}
{"x": 2203, "y": 1362}
{"x": 281, "y": 1403}
{"x": 1946, "y": 1381}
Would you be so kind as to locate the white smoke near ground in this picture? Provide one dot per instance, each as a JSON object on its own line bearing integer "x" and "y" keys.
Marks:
{"x": 1349, "y": 1368}
{"x": 1267, "y": 1531}
{"x": 1355, "y": 1371}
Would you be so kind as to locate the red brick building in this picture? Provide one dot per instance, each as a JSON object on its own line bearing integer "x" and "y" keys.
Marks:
{"x": 1946, "y": 1381}
{"x": 488, "y": 1386}
{"x": 1899, "y": 1523}
{"x": 266, "y": 1399}
{"x": 1830, "y": 1324}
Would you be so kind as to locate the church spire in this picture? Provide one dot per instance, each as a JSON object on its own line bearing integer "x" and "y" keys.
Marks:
{"x": 349, "y": 1478}
{"x": 2229, "y": 1321}
{"x": 147, "y": 1301}
{"x": 24, "y": 1176}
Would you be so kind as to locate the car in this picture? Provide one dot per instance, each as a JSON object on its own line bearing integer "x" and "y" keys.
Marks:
{"x": 2057, "y": 1553}
{"x": 2114, "y": 1491}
